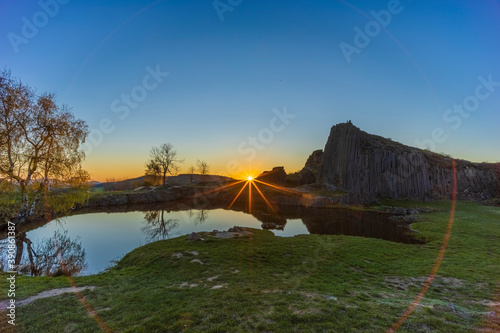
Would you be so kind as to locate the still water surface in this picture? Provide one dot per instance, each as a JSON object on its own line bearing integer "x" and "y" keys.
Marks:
{"x": 108, "y": 236}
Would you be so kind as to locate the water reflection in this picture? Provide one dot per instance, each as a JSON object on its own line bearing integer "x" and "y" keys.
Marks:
{"x": 54, "y": 256}
{"x": 109, "y": 233}
{"x": 361, "y": 225}
{"x": 157, "y": 227}
{"x": 200, "y": 215}
{"x": 338, "y": 221}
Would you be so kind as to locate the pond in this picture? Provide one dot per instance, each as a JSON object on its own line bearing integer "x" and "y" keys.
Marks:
{"x": 109, "y": 234}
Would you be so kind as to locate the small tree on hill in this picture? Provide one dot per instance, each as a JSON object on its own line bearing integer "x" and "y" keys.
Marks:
{"x": 153, "y": 172}
{"x": 164, "y": 159}
{"x": 203, "y": 168}
{"x": 191, "y": 172}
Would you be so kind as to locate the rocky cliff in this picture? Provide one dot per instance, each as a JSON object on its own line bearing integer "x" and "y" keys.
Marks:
{"x": 276, "y": 176}
{"x": 370, "y": 167}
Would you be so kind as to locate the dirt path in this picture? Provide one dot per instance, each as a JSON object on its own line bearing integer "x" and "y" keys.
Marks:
{"x": 44, "y": 294}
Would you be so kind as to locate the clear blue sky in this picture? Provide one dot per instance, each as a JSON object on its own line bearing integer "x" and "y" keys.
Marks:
{"x": 225, "y": 77}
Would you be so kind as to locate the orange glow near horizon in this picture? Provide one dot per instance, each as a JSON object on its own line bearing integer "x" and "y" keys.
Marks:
{"x": 251, "y": 181}
{"x": 122, "y": 166}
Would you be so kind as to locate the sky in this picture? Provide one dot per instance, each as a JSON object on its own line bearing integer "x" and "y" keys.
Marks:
{"x": 249, "y": 85}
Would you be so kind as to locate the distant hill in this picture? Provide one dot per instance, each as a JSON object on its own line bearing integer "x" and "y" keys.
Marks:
{"x": 132, "y": 183}
{"x": 121, "y": 184}
{"x": 195, "y": 178}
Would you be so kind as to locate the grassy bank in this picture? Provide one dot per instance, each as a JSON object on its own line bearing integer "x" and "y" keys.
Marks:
{"x": 309, "y": 283}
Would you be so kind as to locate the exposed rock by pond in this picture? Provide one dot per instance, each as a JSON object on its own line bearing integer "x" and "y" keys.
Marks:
{"x": 233, "y": 232}
{"x": 369, "y": 166}
{"x": 276, "y": 176}
{"x": 167, "y": 194}
{"x": 194, "y": 236}
{"x": 404, "y": 218}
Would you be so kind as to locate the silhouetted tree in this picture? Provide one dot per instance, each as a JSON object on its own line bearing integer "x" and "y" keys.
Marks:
{"x": 153, "y": 171}
{"x": 165, "y": 159}
{"x": 203, "y": 168}
{"x": 191, "y": 172}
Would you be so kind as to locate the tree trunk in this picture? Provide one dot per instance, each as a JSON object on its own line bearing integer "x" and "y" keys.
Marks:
{"x": 19, "y": 251}
{"x": 30, "y": 255}
{"x": 23, "y": 212}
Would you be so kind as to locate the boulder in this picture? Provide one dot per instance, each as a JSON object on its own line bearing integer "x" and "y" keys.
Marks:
{"x": 194, "y": 236}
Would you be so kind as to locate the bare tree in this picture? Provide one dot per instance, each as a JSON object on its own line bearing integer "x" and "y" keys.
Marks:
{"x": 203, "y": 168}
{"x": 191, "y": 172}
{"x": 40, "y": 147}
{"x": 153, "y": 171}
{"x": 175, "y": 170}
{"x": 165, "y": 159}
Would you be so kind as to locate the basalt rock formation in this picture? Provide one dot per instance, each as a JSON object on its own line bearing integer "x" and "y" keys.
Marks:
{"x": 276, "y": 176}
{"x": 370, "y": 167}
{"x": 309, "y": 174}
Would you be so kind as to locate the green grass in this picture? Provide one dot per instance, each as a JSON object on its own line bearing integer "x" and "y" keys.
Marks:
{"x": 274, "y": 284}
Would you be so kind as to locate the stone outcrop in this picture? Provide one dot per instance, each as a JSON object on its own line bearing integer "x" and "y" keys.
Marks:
{"x": 370, "y": 167}
{"x": 309, "y": 174}
{"x": 276, "y": 176}
{"x": 140, "y": 197}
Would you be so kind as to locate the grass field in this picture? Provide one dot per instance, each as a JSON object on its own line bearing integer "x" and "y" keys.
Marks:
{"x": 308, "y": 283}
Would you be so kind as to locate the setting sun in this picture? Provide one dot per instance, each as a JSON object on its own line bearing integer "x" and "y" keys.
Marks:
{"x": 249, "y": 178}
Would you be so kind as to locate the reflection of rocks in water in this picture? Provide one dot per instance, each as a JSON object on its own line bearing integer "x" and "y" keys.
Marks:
{"x": 270, "y": 221}
{"x": 157, "y": 227}
{"x": 317, "y": 220}
{"x": 272, "y": 225}
{"x": 363, "y": 224}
